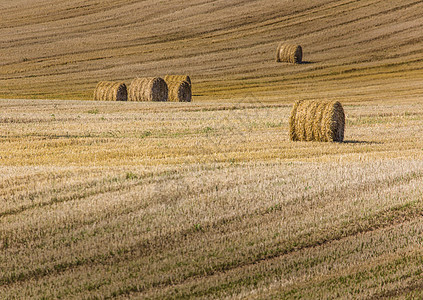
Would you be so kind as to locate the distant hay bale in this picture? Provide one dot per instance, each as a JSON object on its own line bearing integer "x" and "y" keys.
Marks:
{"x": 322, "y": 121}
{"x": 289, "y": 53}
{"x": 179, "y": 91}
{"x": 110, "y": 91}
{"x": 148, "y": 89}
{"x": 169, "y": 78}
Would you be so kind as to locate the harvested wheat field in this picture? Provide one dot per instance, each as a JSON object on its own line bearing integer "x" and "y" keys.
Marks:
{"x": 353, "y": 50}
{"x": 157, "y": 200}
{"x": 231, "y": 195}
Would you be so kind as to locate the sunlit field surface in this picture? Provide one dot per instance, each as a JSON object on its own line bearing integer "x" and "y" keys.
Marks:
{"x": 164, "y": 200}
{"x": 210, "y": 199}
{"x": 353, "y": 50}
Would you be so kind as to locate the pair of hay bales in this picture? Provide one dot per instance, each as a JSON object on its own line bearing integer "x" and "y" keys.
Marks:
{"x": 322, "y": 121}
{"x": 176, "y": 88}
{"x": 310, "y": 120}
{"x": 289, "y": 53}
{"x": 140, "y": 89}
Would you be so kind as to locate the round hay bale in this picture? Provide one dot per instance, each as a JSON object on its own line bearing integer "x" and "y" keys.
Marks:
{"x": 111, "y": 91}
{"x": 148, "y": 89}
{"x": 289, "y": 53}
{"x": 179, "y": 91}
{"x": 322, "y": 121}
{"x": 169, "y": 78}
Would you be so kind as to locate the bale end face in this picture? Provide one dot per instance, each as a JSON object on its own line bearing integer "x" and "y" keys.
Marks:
{"x": 337, "y": 122}
{"x": 122, "y": 93}
{"x": 298, "y": 55}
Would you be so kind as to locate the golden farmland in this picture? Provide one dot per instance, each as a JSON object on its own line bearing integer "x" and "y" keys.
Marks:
{"x": 210, "y": 199}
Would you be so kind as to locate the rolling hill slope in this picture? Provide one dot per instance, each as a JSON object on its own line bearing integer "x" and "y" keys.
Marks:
{"x": 354, "y": 50}
{"x": 107, "y": 200}
{"x": 210, "y": 199}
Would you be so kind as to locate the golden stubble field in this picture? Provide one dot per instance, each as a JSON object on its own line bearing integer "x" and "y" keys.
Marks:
{"x": 210, "y": 199}
{"x": 354, "y": 50}
{"x": 169, "y": 200}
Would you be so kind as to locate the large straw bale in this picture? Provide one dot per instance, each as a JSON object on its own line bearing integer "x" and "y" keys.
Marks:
{"x": 111, "y": 91}
{"x": 179, "y": 91}
{"x": 148, "y": 89}
{"x": 322, "y": 121}
{"x": 289, "y": 53}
